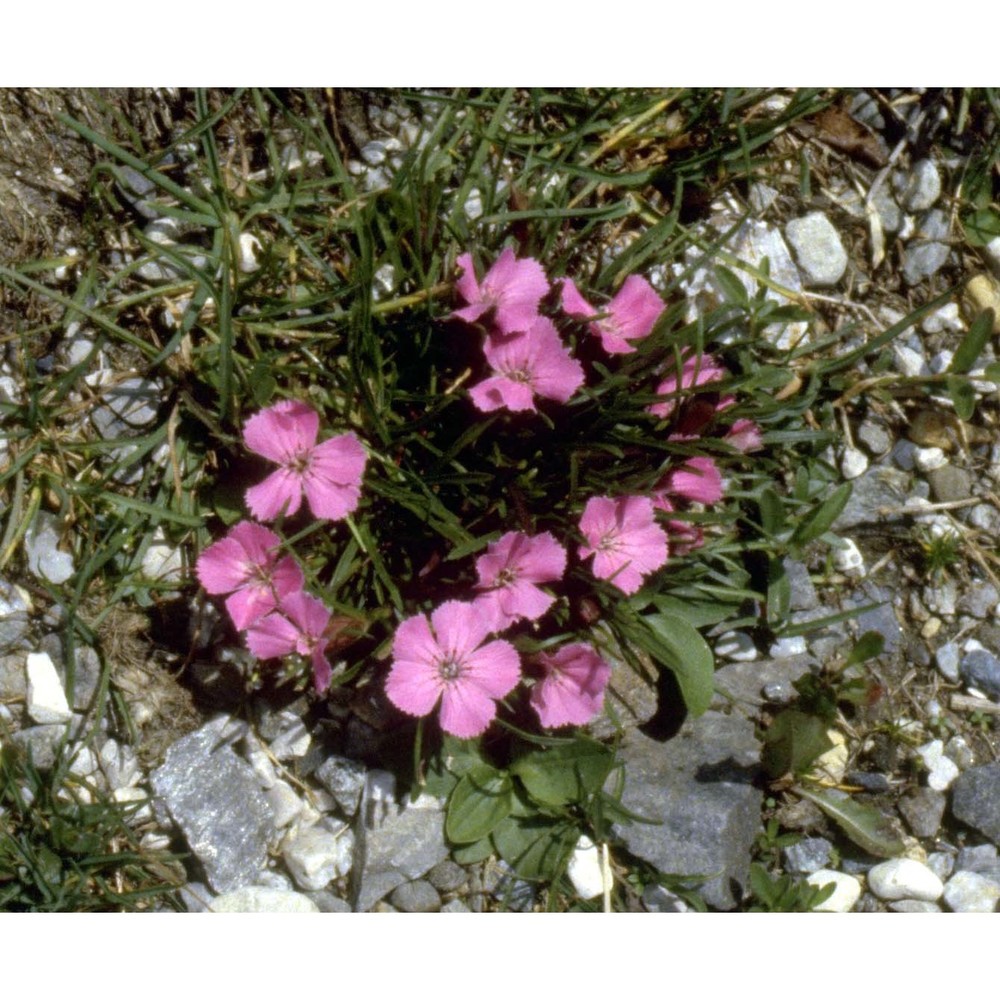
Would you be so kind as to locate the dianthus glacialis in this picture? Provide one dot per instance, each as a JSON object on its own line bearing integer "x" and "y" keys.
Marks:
{"x": 446, "y": 660}
{"x": 623, "y": 537}
{"x": 509, "y": 292}
{"x": 572, "y": 690}
{"x": 630, "y": 315}
{"x": 329, "y": 473}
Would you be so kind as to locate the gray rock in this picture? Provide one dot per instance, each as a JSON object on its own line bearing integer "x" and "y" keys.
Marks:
{"x": 941, "y": 863}
{"x": 982, "y": 859}
{"x": 130, "y": 405}
{"x": 803, "y": 592}
{"x": 257, "y": 899}
{"x": 870, "y": 781}
{"x": 447, "y": 876}
{"x": 904, "y": 878}
{"x": 327, "y": 902}
{"x": 980, "y": 600}
{"x": 13, "y": 681}
{"x": 630, "y": 695}
{"x": 924, "y": 255}
{"x": 197, "y": 897}
{"x": 914, "y": 906}
{"x": 986, "y": 518}
{"x": 865, "y": 109}
{"x": 743, "y": 684}
{"x": 14, "y": 610}
{"x": 137, "y": 191}
{"x": 808, "y": 855}
{"x": 42, "y": 742}
{"x": 923, "y": 811}
{"x": 344, "y": 779}
{"x": 213, "y": 796}
{"x": 818, "y": 249}
{"x": 881, "y": 619}
{"x": 455, "y": 906}
{"x": 41, "y": 545}
{"x": 947, "y": 659}
{"x": 904, "y": 455}
{"x": 923, "y": 187}
{"x": 512, "y": 893}
{"x": 950, "y": 483}
{"x": 399, "y": 846}
{"x": 888, "y": 211}
{"x": 698, "y": 786}
{"x": 316, "y": 856}
{"x": 880, "y": 487}
{"x": 874, "y": 436}
{"x": 657, "y": 899}
{"x": 416, "y": 897}
{"x": 942, "y": 599}
{"x": 975, "y": 800}
{"x": 970, "y": 892}
{"x": 981, "y": 669}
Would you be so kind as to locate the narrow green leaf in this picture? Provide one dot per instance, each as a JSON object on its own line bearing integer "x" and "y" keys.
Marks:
{"x": 962, "y": 395}
{"x": 866, "y": 648}
{"x": 481, "y": 799}
{"x": 732, "y": 287}
{"x": 968, "y": 351}
{"x": 792, "y": 742}
{"x": 779, "y": 592}
{"x": 772, "y": 511}
{"x": 820, "y": 520}
{"x": 863, "y": 823}
{"x": 677, "y": 645}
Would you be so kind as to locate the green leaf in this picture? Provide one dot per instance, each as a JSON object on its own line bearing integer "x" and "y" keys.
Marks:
{"x": 779, "y": 592}
{"x": 470, "y": 854}
{"x": 863, "y": 823}
{"x": 993, "y": 372}
{"x": 967, "y": 353}
{"x": 564, "y": 774}
{"x": 793, "y": 741}
{"x": 732, "y": 288}
{"x": 678, "y": 646}
{"x": 772, "y": 511}
{"x": 982, "y": 226}
{"x": 481, "y": 799}
{"x": 867, "y": 647}
{"x": 696, "y": 612}
{"x": 962, "y": 395}
{"x": 819, "y": 521}
{"x": 535, "y": 849}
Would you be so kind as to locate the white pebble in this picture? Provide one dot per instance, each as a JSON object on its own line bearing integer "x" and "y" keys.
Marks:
{"x": 848, "y": 559}
{"x": 46, "y": 697}
{"x": 853, "y": 463}
{"x": 943, "y": 770}
{"x": 257, "y": 899}
{"x": 794, "y": 645}
{"x": 736, "y": 646}
{"x": 903, "y": 878}
{"x": 316, "y": 856}
{"x": 928, "y": 459}
{"x": 844, "y": 897}
{"x": 970, "y": 892}
{"x": 585, "y": 870}
{"x": 249, "y": 248}
{"x": 908, "y": 361}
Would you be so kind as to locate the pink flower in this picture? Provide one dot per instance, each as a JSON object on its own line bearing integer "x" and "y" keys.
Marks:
{"x": 624, "y": 540}
{"x": 631, "y": 314}
{"x": 527, "y": 364}
{"x": 509, "y": 572}
{"x": 511, "y": 287}
{"x": 572, "y": 691}
{"x": 697, "y": 369}
{"x": 698, "y": 480}
{"x": 246, "y": 561}
{"x": 444, "y": 658}
{"x": 328, "y": 473}
{"x": 744, "y": 436}
{"x": 297, "y": 627}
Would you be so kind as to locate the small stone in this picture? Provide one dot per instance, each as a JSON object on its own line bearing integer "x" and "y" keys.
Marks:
{"x": 316, "y": 856}
{"x": 447, "y": 876}
{"x": 46, "y": 698}
{"x": 865, "y": 109}
{"x": 161, "y": 561}
{"x": 949, "y": 483}
{"x": 455, "y": 906}
{"x": 803, "y": 591}
{"x": 943, "y": 599}
{"x": 832, "y": 764}
{"x": 924, "y": 255}
{"x": 808, "y": 855}
{"x": 249, "y": 247}
{"x": 942, "y": 863}
{"x": 909, "y": 362}
{"x": 416, "y": 897}
{"x": 981, "y": 669}
{"x": 45, "y": 560}
{"x": 119, "y": 765}
{"x": 328, "y": 902}
{"x": 929, "y": 459}
{"x": 923, "y": 811}
{"x": 293, "y": 739}
{"x": 848, "y": 559}
{"x": 870, "y": 781}
{"x": 913, "y": 906}
{"x": 986, "y": 518}
{"x": 904, "y": 455}
{"x": 585, "y": 870}
{"x": 970, "y": 892}
{"x": 788, "y": 646}
{"x": 845, "y": 895}
{"x": 886, "y": 208}
{"x": 373, "y": 153}
{"x": 762, "y": 197}
{"x": 982, "y": 858}
{"x": 15, "y": 606}
{"x": 980, "y": 600}
{"x": 779, "y": 692}
{"x": 256, "y": 899}
{"x": 853, "y": 463}
{"x": 818, "y": 249}
{"x": 903, "y": 878}
{"x": 975, "y": 800}
{"x": 923, "y": 188}
{"x": 284, "y": 802}
{"x": 874, "y": 437}
{"x": 736, "y": 646}
{"x": 657, "y": 899}
{"x": 344, "y": 779}
{"x": 946, "y": 319}
{"x": 960, "y": 752}
{"x": 943, "y": 770}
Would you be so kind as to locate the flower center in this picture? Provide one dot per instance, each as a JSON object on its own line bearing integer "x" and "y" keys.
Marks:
{"x": 299, "y": 463}
{"x": 449, "y": 670}
{"x": 505, "y": 577}
{"x": 609, "y": 543}
{"x": 520, "y": 375}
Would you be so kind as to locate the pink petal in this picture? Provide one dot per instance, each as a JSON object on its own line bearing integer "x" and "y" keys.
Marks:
{"x": 466, "y": 285}
{"x": 494, "y": 668}
{"x": 543, "y": 559}
{"x": 466, "y": 711}
{"x": 287, "y": 577}
{"x": 271, "y": 637}
{"x": 517, "y": 287}
{"x": 557, "y": 375}
{"x": 414, "y": 686}
{"x": 282, "y": 431}
{"x": 223, "y": 566}
{"x": 329, "y": 500}
{"x": 309, "y": 613}
{"x": 636, "y": 308}
{"x": 281, "y": 491}
{"x": 573, "y": 303}
{"x": 698, "y": 479}
{"x": 321, "y": 668}
{"x": 415, "y": 642}
{"x": 258, "y": 542}
{"x": 525, "y": 600}
{"x": 572, "y": 692}
{"x": 249, "y": 604}
{"x": 458, "y": 628}
{"x": 597, "y": 521}
{"x": 744, "y": 435}
{"x": 493, "y": 393}
{"x": 617, "y": 569}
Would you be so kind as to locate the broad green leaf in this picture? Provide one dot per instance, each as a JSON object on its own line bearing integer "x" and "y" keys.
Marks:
{"x": 863, "y": 823}
{"x": 772, "y": 511}
{"x": 967, "y": 353}
{"x": 481, "y": 799}
{"x": 793, "y": 741}
{"x": 981, "y": 227}
{"x": 566, "y": 773}
{"x": 993, "y": 372}
{"x": 699, "y": 612}
{"x": 962, "y": 395}
{"x": 867, "y": 647}
{"x": 818, "y": 521}
{"x": 679, "y": 647}
{"x": 535, "y": 850}
{"x": 470, "y": 854}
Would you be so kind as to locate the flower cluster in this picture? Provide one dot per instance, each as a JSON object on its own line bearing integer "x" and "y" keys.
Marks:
{"x": 267, "y": 599}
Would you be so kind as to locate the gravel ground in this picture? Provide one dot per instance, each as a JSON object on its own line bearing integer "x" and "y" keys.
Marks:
{"x": 870, "y": 238}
